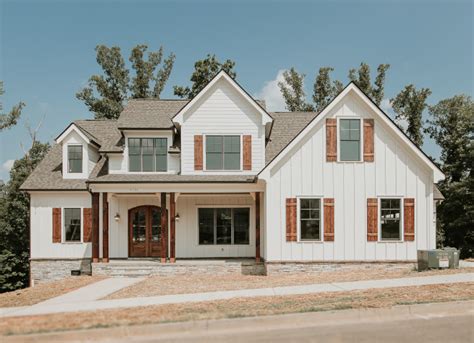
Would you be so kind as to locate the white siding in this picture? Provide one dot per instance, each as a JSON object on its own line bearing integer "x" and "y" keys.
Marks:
{"x": 222, "y": 111}
{"x": 90, "y": 156}
{"x": 42, "y": 205}
{"x": 304, "y": 171}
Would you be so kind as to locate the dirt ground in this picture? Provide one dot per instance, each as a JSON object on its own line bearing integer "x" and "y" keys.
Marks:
{"x": 242, "y": 307}
{"x": 44, "y": 291}
{"x": 159, "y": 285}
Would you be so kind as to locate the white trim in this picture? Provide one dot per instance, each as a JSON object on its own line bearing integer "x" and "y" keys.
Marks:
{"x": 379, "y": 219}
{"x": 63, "y": 227}
{"x": 321, "y": 219}
{"x": 179, "y": 117}
{"x": 204, "y": 167}
{"x": 361, "y": 139}
{"x": 83, "y": 158}
{"x": 72, "y": 127}
{"x": 438, "y": 175}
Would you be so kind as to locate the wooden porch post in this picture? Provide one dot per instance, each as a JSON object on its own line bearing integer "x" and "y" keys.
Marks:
{"x": 105, "y": 228}
{"x": 95, "y": 227}
{"x": 172, "y": 228}
{"x": 257, "y": 226}
{"x": 164, "y": 228}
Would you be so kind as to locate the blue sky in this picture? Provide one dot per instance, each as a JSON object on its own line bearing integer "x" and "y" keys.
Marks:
{"x": 47, "y": 48}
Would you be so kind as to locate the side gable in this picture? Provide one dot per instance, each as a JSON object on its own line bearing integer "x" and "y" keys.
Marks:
{"x": 352, "y": 88}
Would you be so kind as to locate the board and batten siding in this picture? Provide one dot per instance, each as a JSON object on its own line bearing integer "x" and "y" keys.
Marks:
{"x": 41, "y": 223}
{"x": 222, "y": 111}
{"x": 304, "y": 171}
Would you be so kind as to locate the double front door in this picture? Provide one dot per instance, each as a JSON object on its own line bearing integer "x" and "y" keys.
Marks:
{"x": 145, "y": 231}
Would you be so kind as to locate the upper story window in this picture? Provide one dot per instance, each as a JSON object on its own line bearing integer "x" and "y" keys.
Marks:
{"x": 349, "y": 140}
{"x": 222, "y": 152}
{"x": 390, "y": 219}
{"x": 72, "y": 224}
{"x": 148, "y": 154}
{"x": 310, "y": 219}
{"x": 74, "y": 157}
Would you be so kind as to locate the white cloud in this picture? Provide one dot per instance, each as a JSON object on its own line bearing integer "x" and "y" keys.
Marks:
{"x": 270, "y": 92}
{"x": 7, "y": 165}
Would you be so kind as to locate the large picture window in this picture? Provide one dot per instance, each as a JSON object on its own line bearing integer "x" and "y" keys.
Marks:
{"x": 310, "y": 219}
{"x": 390, "y": 219}
{"x": 74, "y": 157}
{"x": 147, "y": 154}
{"x": 222, "y": 152}
{"x": 72, "y": 224}
{"x": 349, "y": 139}
{"x": 224, "y": 226}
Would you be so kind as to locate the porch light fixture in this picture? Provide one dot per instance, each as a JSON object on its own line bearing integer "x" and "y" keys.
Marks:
{"x": 117, "y": 217}
{"x": 176, "y": 217}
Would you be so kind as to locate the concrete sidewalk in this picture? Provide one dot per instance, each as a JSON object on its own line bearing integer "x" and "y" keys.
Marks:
{"x": 242, "y": 293}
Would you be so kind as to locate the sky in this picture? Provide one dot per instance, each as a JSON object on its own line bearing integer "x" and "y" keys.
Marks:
{"x": 47, "y": 49}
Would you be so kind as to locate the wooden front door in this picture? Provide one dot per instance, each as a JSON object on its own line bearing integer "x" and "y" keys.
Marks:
{"x": 144, "y": 224}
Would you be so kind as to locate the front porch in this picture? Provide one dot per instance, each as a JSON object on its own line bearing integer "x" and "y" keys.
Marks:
{"x": 197, "y": 230}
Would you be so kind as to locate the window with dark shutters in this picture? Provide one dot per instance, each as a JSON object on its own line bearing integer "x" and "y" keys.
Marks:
{"x": 291, "y": 220}
{"x": 87, "y": 225}
{"x": 198, "y": 151}
{"x": 247, "y": 152}
{"x": 409, "y": 219}
{"x": 329, "y": 219}
{"x": 368, "y": 140}
{"x": 372, "y": 215}
{"x": 331, "y": 140}
{"x": 57, "y": 225}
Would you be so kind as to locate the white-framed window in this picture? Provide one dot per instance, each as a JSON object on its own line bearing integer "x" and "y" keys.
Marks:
{"x": 349, "y": 139}
{"x": 223, "y": 225}
{"x": 72, "y": 224}
{"x": 390, "y": 219}
{"x": 147, "y": 154}
{"x": 310, "y": 218}
{"x": 223, "y": 152}
{"x": 74, "y": 158}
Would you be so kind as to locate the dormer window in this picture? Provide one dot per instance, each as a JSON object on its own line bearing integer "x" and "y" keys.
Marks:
{"x": 222, "y": 152}
{"x": 74, "y": 157}
{"x": 349, "y": 141}
{"x": 148, "y": 154}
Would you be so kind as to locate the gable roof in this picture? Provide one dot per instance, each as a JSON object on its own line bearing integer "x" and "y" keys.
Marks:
{"x": 352, "y": 87}
{"x": 222, "y": 75}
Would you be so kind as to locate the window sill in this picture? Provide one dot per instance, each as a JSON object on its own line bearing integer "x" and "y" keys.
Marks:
{"x": 74, "y": 243}
{"x": 391, "y": 241}
{"x": 310, "y": 241}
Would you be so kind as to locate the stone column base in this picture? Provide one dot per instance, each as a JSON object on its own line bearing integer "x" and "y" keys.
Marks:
{"x": 55, "y": 269}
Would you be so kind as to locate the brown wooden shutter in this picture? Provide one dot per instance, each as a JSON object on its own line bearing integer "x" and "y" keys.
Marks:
{"x": 198, "y": 151}
{"x": 87, "y": 225}
{"x": 291, "y": 219}
{"x": 368, "y": 140}
{"x": 409, "y": 219}
{"x": 331, "y": 140}
{"x": 57, "y": 225}
{"x": 329, "y": 219}
{"x": 247, "y": 152}
{"x": 372, "y": 219}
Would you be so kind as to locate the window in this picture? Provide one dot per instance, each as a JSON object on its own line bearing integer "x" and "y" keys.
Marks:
{"x": 74, "y": 156}
{"x": 222, "y": 152}
{"x": 72, "y": 224}
{"x": 224, "y": 226}
{"x": 349, "y": 142}
{"x": 390, "y": 223}
{"x": 310, "y": 219}
{"x": 147, "y": 154}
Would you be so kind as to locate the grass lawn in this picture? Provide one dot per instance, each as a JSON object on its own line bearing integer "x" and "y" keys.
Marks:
{"x": 242, "y": 307}
{"x": 44, "y": 291}
{"x": 160, "y": 285}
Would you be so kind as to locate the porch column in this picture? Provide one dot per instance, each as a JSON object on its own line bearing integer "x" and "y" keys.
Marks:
{"x": 105, "y": 228}
{"x": 164, "y": 228}
{"x": 95, "y": 227}
{"x": 257, "y": 226}
{"x": 172, "y": 228}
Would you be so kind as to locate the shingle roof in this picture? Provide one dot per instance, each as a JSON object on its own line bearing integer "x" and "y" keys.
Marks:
{"x": 104, "y": 132}
{"x": 149, "y": 113}
{"x": 437, "y": 195}
{"x": 286, "y": 126}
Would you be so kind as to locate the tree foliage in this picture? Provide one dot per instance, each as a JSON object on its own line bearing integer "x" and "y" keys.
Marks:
{"x": 361, "y": 78}
{"x": 409, "y": 105}
{"x": 14, "y": 222}
{"x": 9, "y": 119}
{"x": 451, "y": 125}
{"x": 105, "y": 94}
{"x": 324, "y": 90}
{"x": 204, "y": 71}
{"x": 292, "y": 90}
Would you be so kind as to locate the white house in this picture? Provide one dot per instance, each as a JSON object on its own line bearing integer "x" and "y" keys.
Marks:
{"x": 342, "y": 185}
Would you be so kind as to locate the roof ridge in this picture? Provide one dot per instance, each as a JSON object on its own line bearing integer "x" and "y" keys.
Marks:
{"x": 155, "y": 99}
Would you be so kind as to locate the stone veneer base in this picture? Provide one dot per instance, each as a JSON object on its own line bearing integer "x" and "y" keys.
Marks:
{"x": 56, "y": 269}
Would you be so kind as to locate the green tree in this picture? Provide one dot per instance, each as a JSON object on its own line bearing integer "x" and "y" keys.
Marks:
{"x": 361, "y": 78}
{"x": 409, "y": 105}
{"x": 106, "y": 94}
{"x": 324, "y": 90}
{"x": 204, "y": 71}
{"x": 9, "y": 119}
{"x": 451, "y": 125}
{"x": 14, "y": 222}
{"x": 292, "y": 90}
